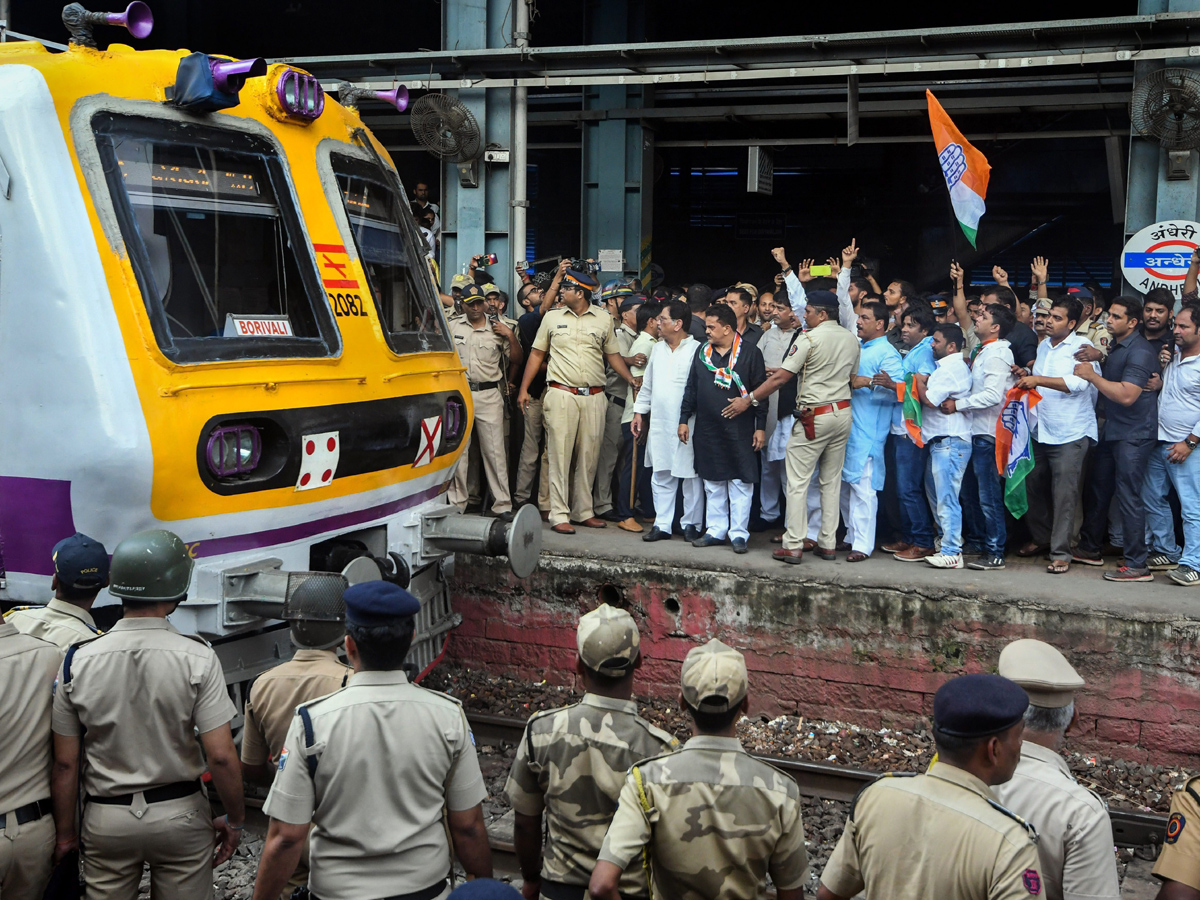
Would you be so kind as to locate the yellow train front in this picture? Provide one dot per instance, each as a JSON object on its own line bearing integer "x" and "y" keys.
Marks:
{"x": 216, "y": 318}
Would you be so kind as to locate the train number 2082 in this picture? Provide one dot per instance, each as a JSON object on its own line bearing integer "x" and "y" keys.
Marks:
{"x": 347, "y": 305}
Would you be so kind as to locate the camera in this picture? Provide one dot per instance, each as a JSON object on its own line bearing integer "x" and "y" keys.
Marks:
{"x": 590, "y": 266}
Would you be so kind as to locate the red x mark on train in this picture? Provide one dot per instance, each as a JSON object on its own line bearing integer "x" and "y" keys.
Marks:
{"x": 431, "y": 432}
{"x": 340, "y": 268}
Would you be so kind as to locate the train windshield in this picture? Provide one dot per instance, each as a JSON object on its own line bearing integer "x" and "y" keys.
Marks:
{"x": 390, "y": 252}
{"x": 215, "y": 241}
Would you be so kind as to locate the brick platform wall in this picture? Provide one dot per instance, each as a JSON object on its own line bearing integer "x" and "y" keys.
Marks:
{"x": 870, "y": 656}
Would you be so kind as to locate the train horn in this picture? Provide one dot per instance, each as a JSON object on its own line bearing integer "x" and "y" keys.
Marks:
{"x": 137, "y": 20}
{"x": 349, "y": 96}
{"x": 229, "y": 75}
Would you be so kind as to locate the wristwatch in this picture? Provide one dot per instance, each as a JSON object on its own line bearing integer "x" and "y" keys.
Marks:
{"x": 753, "y": 400}
{"x": 1192, "y": 445}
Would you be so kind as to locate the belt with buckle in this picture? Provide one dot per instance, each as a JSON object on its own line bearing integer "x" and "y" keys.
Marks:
{"x": 581, "y": 391}
{"x": 482, "y": 385}
{"x": 829, "y": 407}
{"x": 30, "y": 812}
{"x": 174, "y": 791}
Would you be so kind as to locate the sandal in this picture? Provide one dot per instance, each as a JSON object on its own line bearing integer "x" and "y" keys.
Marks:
{"x": 1032, "y": 549}
{"x": 1058, "y": 567}
{"x": 856, "y": 556}
{"x": 778, "y": 539}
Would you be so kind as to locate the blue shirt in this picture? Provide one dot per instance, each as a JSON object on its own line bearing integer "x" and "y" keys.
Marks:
{"x": 919, "y": 361}
{"x": 871, "y": 412}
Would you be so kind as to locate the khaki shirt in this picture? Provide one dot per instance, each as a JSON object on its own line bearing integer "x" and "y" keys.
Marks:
{"x": 719, "y": 822}
{"x": 27, "y": 669}
{"x": 1096, "y": 331}
{"x": 141, "y": 691}
{"x": 614, "y": 385}
{"x": 58, "y": 622}
{"x": 831, "y": 354}
{"x": 933, "y": 835}
{"x": 390, "y": 756}
{"x": 577, "y": 345}
{"x": 572, "y": 764}
{"x": 1179, "y": 859}
{"x": 484, "y": 353}
{"x": 1075, "y": 839}
{"x": 276, "y": 694}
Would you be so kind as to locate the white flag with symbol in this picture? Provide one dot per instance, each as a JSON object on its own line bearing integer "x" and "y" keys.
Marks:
{"x": 318, "y": 460}
{"x": 431, "y": 441}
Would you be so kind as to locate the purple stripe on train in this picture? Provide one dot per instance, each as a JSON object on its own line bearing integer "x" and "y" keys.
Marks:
{"x": 35, "y": 514}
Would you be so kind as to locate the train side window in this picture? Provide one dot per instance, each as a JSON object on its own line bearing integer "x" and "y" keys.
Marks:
{"x": 391, "y": 255}
{"x": 215, "y": 241}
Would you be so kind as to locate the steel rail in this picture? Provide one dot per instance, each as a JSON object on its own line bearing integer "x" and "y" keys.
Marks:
{"x": 832, "y": 782}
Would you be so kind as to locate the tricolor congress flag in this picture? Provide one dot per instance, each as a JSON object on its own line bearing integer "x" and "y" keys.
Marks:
{"x": 966, "y": 169}
{"x": 910, "y": 409}
{"x": 1014, "y": 446}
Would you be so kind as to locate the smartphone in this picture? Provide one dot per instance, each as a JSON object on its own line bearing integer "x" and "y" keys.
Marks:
{"x": 820, "y": 271}
{"x": 487, "y": 259}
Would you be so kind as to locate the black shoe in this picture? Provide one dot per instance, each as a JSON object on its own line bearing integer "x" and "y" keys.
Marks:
{"x": 987, "y": 563}
{"x": 612, "y": 516}
{"x": 506, "y": 516}
{"x": 656, "y": 534}
{"x": 1087, "y": 557}
{"x": 707, "y": 540}
{"x": 739, "y": 545}
{"x": 691, "y": 532}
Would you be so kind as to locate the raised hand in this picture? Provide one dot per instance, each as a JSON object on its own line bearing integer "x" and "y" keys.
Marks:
{"x": 803, "y": 272}
{"x": 850, "y": 254}
{"x": 956, "y": 274}
{"x": 1000, "y": 276}
{"x": 1040, "y": 267}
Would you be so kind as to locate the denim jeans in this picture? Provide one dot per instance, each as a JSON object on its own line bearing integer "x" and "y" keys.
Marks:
{"x": 991, "y": 494}
{"x": 948, "y": 458}
{"x": 1185, "y": 476}
{"x": 1160, "y": 524}
{"x": 910, "y": 484}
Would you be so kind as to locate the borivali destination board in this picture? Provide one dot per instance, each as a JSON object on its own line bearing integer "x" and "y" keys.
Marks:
{"x": 1158, "y": 255}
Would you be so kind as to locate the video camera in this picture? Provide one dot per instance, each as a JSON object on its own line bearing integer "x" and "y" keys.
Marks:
{"x": 590, "y": 266}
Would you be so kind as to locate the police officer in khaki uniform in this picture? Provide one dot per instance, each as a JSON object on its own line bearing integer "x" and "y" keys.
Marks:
{"x": 27, "y": 669}
{"x": 1075, "y": 839}
{"x": 943, "y": 834}
{"x": 491, "y": 354}
{"x": 572, "y": 762}
{"x": 372, "y": 768}
{"x": 313, "y": 672}
{"x": 614, "y": 295}
{"x": 714, "y": 821}
{"x": 80, "y": 572}
{"x": 142, "y": 692}
{"x": 1178, "y": 862}
{"x": 823, "y": 358}
{"x": 579, "y": 337}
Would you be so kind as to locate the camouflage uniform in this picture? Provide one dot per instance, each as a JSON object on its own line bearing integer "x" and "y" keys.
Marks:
{"x": 572, "y": 761}
{"x": 715, "y": 820}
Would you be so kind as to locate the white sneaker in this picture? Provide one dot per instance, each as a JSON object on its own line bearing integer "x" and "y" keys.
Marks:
{"x": 944, "y": 561}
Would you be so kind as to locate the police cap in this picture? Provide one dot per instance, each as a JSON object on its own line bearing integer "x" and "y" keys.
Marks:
{"x": 1044, "y": 673}
{"x": 714, "y": 678}
{"x": 826, "y": 300}
{"x": 631, "y": 303}
{"x": 485, "y": 889}
{"x": 81, "y": 563}
{"x": 490, "y": 288}
{"x": 378, "y": 603}
{"x": 459, "y": 281}
{"x": 581, "y": 279}
{"x": 1080, "y": 293}
{"x": 608, "y": 641}
{"x": 976, "y": 706}
{"x": 471, "y": 293}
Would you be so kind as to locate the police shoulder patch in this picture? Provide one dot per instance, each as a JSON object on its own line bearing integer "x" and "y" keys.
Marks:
{"x": 283, "y": 758}
{"x": 1032, "y": 881}
{"x": 1175, "y": 826}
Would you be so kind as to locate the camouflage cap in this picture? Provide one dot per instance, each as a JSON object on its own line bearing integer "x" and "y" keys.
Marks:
{"x": 608, "y": 641}
{"x": 714, "y": 678}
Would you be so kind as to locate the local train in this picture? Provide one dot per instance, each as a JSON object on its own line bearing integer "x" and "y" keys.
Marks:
{"x": 216, "y": 318}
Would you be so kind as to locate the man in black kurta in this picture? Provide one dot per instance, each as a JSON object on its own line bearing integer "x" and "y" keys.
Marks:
{"x": 726, "y": 448}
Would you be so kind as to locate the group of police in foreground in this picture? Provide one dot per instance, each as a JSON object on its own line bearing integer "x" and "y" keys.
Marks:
{"x": 375, "y": 787}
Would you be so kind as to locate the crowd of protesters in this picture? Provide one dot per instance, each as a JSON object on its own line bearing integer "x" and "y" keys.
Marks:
{"x": 829, "y": 404}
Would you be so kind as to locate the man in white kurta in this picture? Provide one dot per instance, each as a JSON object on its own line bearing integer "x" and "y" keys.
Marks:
{"x": 773, "y": 345}
{"x": 661, "y": 396}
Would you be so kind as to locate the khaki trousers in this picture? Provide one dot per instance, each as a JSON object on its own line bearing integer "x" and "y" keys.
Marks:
{"x": 610, "y": 452}
{"x": 531, "y": 453}
{"x": 175, "y": 837}
{"x": 827, "y": 450}
{"x": 493, "y": 452}
{"x": 26, "y": 858}
{"x": 574, "y": 428}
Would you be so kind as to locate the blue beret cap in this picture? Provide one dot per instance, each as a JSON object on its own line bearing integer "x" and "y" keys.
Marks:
{"x": 378, "y": 603}
{"x": 583, "y": 279}
{"x": 1080, "y": 293}
{"x": 975, "y": 706}
{"x": 823, "y": 299}
{"x": 631, "y": 303}
{"x": 485, "y": 889}
{"x": 81, "y": 562}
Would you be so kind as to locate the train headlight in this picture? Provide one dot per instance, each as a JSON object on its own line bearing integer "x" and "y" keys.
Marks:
{"x": 233, "y": 450}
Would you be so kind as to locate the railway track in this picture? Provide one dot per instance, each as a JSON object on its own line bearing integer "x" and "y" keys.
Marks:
{"x": 830, "y": 782}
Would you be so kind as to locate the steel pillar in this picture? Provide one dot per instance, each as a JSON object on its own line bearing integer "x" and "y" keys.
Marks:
{"x": 476, "y": 219}
{"x": 618, "y": 154}
{"x": 1151, "y": 197}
